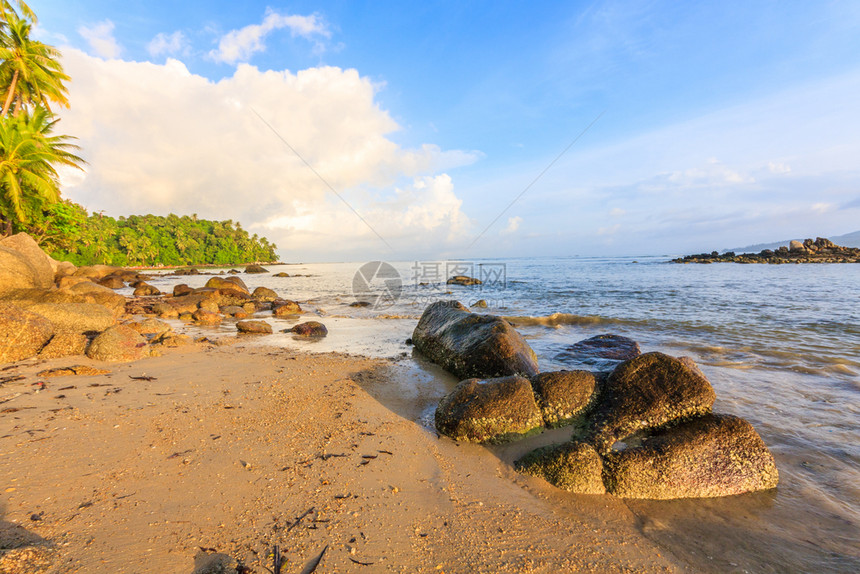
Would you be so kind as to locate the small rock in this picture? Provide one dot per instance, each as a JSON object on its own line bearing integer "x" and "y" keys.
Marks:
{"x": 254, "y": 327}
{"x": 309, "y": 329}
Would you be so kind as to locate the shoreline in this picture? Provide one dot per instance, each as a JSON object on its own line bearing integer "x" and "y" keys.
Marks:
{"x": 222, "y": 452}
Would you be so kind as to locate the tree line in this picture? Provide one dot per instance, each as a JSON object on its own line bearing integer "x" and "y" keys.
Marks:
{"x": 31, "y": 81}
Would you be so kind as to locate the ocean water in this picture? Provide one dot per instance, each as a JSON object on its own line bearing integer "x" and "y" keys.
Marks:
{"x": 780, "y": 345}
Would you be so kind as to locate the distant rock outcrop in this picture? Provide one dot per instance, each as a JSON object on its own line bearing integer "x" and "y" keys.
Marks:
{"x": 820, "y": 250}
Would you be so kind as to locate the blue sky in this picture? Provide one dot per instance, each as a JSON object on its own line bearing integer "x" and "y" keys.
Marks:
{"x": 724, "y": 123}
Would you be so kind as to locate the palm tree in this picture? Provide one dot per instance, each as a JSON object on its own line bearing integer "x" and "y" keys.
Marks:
{"x": 30, "y": 70}
{"x": 29, "y": 156}
{"x": 6, "y": 8}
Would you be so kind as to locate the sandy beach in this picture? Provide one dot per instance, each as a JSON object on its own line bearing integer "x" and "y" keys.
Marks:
{"x": 203, "y": 459}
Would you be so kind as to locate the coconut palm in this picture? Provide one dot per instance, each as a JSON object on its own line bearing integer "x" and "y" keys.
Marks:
{"x": 30, "y": 71}
{"x": 29, "y": 157}
{"x": 6, "y": 8}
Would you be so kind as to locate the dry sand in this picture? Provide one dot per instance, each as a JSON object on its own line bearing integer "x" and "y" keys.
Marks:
{"x": 223, "y": 452}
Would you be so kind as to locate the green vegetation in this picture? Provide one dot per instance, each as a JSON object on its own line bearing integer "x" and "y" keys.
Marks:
{"x": 31, "y": 79}
{"x": 68, "y": 233}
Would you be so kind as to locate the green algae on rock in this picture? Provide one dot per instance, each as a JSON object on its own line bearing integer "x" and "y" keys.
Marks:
{"x": 708, "y": 456}
{"x": 564, "y": 396}
{"x": 573, "y": 466}
{"x": 492, "y": 410}
{"x": 649, "y": 391}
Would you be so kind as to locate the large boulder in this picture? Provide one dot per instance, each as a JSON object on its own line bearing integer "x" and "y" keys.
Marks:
{"x": 22, "y": 333}
{"x": 493, "y": 410}
{"x": 649, "y": 391}
{"x": 603, "y": 352}
{"x": 95, "y": 293}
{"x": 256, "y": 269}
{"x": 143, "y": 289}
{"x": 38, "y": 260}
{"x": 16, "y": 271}
{"x": 564, "y": 396}
{"x": 574, "y": 466}
{"x": 118, "y": 344}
{"x": 472, "y": 345}
{"x": 712, "y": 455}
{"x": 65, "y": 345}
{"x": 74, "y": 317}
{"x": 150, "y": 327}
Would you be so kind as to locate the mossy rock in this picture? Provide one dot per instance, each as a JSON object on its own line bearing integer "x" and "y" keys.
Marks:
{"x": 650, "y": 391}
{"x": 492, "y": 410}
{"x": 472, "y": 345}
{"x": 564, "y": 396}
{"x": 708, "y": 456}
{"x": 574, "y": 466}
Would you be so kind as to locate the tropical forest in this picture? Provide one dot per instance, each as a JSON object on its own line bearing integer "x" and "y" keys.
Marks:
{"x": 33, "y": 84}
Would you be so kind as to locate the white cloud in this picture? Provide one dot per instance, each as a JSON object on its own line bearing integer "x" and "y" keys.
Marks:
{"x": 100, "y": 38}
{"x": 160, "y": 139}
{"x": 239, "y": 45}
{"x": 513, "y": 224}
{"x": 164, "y": 44}
{"x": 617, "y": 212}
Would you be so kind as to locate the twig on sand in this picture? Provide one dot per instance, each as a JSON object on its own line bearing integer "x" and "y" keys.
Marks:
{"x": 360, "y": 562}
{"x": 142, "y": 378}
{"x": 299, "y": 519}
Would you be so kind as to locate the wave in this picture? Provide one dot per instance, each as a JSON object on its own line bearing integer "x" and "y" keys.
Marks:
{"x": 559, "y": 319}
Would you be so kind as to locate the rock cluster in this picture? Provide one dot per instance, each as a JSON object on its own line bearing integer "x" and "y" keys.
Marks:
{"x": 820, "y": 250}
{"x": 643, "y": 430}
{"x": 53, "y": 309}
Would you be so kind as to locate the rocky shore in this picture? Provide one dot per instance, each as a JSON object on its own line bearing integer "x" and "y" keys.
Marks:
{"x": 820, "y": 250}
{"x": 642, "y": 430}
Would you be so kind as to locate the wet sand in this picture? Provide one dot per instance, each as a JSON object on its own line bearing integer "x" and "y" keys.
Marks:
{"x": 222, "y": 452}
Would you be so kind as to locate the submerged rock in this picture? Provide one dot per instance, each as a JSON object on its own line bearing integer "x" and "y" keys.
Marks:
{"x": 603, "y": 351}
{"x": 256, "y": 269}
{"x": 309, "y": 329}
{"x": 492, "y": 410}
{"x": 118, "y": 343}
{"x": 464, "y": 281}
{"x": 472, "y": 345}
{"x": 574, "y": 466}
{"x": 712, "y": 455}
{"x": 649, "y": 391}
{"x": 563, "y": 396}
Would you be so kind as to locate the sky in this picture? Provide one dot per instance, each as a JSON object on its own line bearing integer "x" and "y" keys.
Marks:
{"x": 354, "y": 131}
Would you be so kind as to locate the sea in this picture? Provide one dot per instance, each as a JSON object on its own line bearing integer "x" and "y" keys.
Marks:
{"x": 779, "y": 343}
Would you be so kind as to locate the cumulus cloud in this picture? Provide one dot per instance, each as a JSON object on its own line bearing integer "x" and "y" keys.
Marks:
{"x": 161, "y": 139}
{"x": 239, "y": 45}
{"x": 167, "y": 44}
{"x": 100, "y": 38}
{"x": 513, "y": 224}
